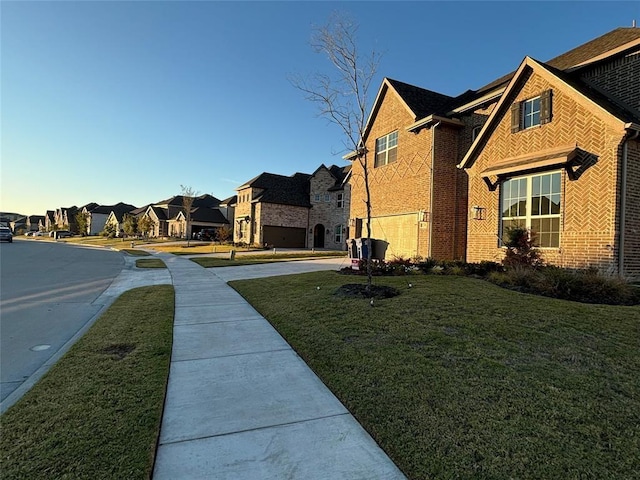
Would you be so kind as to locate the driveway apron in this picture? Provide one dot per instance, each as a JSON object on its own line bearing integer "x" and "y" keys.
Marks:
{"x": 241, "y": 404}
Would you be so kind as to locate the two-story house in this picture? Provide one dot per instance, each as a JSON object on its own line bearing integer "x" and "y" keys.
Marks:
{"x": 551, "y": 146}
{"x": 297, "y": 211}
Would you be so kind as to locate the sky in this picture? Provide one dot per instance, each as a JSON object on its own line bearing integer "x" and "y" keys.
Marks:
{"x": 127, "y": 101}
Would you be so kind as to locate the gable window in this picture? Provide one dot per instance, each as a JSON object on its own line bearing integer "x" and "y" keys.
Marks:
{"x": 316, "y": 197}
{"x": 340, "y": 197}
{"x": 327, "y": 197}
{"x": 533, "y": 202}
{"x": 386, "y": 149}
{"x": 531, "y": 113}
{"x": 339, "y": 233}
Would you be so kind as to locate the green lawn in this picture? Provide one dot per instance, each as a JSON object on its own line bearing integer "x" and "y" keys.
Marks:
{"x": 209, "y": 262}
{"x": 150, "y": 263}
{"x": 96, "y": 414}
{"x": 458, "y": 378}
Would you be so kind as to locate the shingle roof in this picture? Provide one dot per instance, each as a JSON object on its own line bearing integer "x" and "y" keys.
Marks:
{"x": 421, "y": 101}
{"x": 204, "y": 200}
{"x": 576, "y": 56}
{"x": 293, "y": 190}
{"x": 232, "y": 200}
{"x": 209, "y": 215}
{"x": 120, "y": 208}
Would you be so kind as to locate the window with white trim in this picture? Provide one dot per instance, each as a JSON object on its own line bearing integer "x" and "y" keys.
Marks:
{"x": 533, "y": 202}
{"x": 316, "y": 198}
{"x": 340, "y": 197}
{"x": 327, "y": 197}
{"x": 386, "y": 149}
{"x": 531, "y": 113}
{"x": 339, "y": 230}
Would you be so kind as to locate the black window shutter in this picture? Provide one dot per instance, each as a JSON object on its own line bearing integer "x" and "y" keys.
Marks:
{"x": 515, "y": 117}
{"x": 545, "y": 107}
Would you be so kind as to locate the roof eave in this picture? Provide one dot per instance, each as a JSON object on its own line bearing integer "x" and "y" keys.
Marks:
{"x": 433, "y": 119}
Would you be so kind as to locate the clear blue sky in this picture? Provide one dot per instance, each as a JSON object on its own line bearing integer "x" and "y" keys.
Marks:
{"x": 126, "y": 101}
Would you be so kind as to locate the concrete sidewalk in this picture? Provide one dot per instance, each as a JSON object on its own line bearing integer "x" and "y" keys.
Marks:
{"x": 240, "y": 402}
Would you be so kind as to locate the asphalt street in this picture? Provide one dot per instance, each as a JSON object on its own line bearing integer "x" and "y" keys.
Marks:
{"x": 47, "y": 294}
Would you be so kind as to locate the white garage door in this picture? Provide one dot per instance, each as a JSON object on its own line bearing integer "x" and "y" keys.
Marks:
{"x": 400, "y": 231}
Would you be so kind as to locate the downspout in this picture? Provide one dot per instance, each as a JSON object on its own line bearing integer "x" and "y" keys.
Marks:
{"x": 623, "y": 200}
{"x": 431, "y": 202}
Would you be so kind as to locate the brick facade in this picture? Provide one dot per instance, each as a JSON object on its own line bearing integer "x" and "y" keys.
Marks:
{"x": 401, "y": 190}
{"x": 329, "y": 211}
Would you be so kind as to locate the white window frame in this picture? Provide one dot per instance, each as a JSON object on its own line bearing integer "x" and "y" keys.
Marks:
{"x": 386, "y": 149}
{"x": 338, "y": 233}
{"x": 316, "y": 198}
{"x": 327, "y": 197}
{"x": 525, "y": 215}
{"x": 340, "y": 200}
{"x": 532, "y": 118}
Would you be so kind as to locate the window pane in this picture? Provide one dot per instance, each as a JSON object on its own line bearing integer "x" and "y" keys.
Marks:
{"x": 535, "y": 206}
{"x": 555, "y": 183}
{"x": 536, "y": 104}
{"x": 555, "y": 205}
{"x": 381, "y": 144}
{"x": 393, "y": 139}
{"x": 546, "y": 184}
{"x": 393, "y": 155}
{"x": 535, "y": 181}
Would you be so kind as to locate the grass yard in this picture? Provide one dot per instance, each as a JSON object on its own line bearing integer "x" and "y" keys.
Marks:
{"x": 97, "y": 412}
{"x": 252, "y": 259}
{"x": 150, "y": 263}
{"x": 195, "y": 248}
{"x": 459, "y": 378}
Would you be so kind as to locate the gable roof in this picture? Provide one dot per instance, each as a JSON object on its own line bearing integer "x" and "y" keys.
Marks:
{"x": 209, "y": 215}
{"x": 596, "y": 48}
{"x": 204, "y": 200}
{"x": 232, "y": 200}
{"x": 293, "y": 190}
{"x": 570, "y": 82}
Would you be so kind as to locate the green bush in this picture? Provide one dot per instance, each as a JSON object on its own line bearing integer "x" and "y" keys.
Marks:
{"x": 521, "y": 251}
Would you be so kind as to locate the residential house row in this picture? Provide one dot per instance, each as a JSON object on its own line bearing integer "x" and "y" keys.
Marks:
{"x": 552, "y": 146}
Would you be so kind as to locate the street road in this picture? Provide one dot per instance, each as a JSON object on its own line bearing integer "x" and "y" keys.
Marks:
{"x": 47, "y": 292}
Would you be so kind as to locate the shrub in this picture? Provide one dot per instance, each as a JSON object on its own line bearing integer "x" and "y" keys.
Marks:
{"x": 521, "y": 250}
{"x": 426, "y": 265}
{"x": 483, "y": 269}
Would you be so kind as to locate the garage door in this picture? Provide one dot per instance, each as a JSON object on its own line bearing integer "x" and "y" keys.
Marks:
{"x": 400, "y": 232}
{"x": 284, "y": 237}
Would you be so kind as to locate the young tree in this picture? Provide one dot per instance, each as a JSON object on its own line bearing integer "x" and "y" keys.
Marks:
{"x": 145, "y": 225}
{"x": 130, "y": 224}
{"x": 82, "y": 223}
{"x": 188, "y": 197}
{"x": 223, "y": 233}
{"x": 343, "y": 95}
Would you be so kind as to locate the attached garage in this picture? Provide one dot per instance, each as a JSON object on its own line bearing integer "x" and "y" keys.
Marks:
{"x": 284, "y": 237}
{"x": 399, "y": 231}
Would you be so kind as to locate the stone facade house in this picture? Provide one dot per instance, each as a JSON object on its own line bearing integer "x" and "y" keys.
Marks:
{"x": 551, "y": 146}
{"x": 329, "y": 193}
{"x": 298, "y": 211}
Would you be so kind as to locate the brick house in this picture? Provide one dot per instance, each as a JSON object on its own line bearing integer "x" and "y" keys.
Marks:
{"x": 418, "y": 196}
{"x": 573, "y": 117}
{"x": 560, "y": 155}
{"x": 296, "y": 211}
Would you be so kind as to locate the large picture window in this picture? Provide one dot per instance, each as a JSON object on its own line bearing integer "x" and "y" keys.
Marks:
{"x": 386, "y": 149}
{"x": 533, "y": 202}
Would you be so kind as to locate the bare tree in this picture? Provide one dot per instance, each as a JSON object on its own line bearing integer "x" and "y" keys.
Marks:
{"x": 188, "y": 197}
{"x": 342, "y": 96}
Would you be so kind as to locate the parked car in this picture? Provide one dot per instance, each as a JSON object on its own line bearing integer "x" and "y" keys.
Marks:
{"x": 6, "y": 235}
{"x": 62, "y": 234}
{"x": 206, "y": 234}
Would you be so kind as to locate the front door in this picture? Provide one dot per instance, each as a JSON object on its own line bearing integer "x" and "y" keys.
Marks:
{"x": 318, "y": 236}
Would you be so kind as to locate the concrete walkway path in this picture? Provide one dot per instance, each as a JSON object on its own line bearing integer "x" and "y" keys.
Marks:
{"x": 240, "y": 402}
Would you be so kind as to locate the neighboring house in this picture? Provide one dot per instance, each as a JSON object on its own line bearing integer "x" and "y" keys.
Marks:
{"x": 418, "y": 196}
{"x": 98, "y": 215}
{"x": 273, "y": 210}
{"x": 65, "y": 218}
{"x": 297, "y": 211}
{"x": 329, "y": 192}
{"x": 34, "y": 222}
{"x": 18, "y": 225}
{"x": 49, "y": 221}
{"x": 170, "y": 219}
{"x": 569, "y": 122}
{"x": 115, "y": 219}
{"x": 560, "y": 155}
